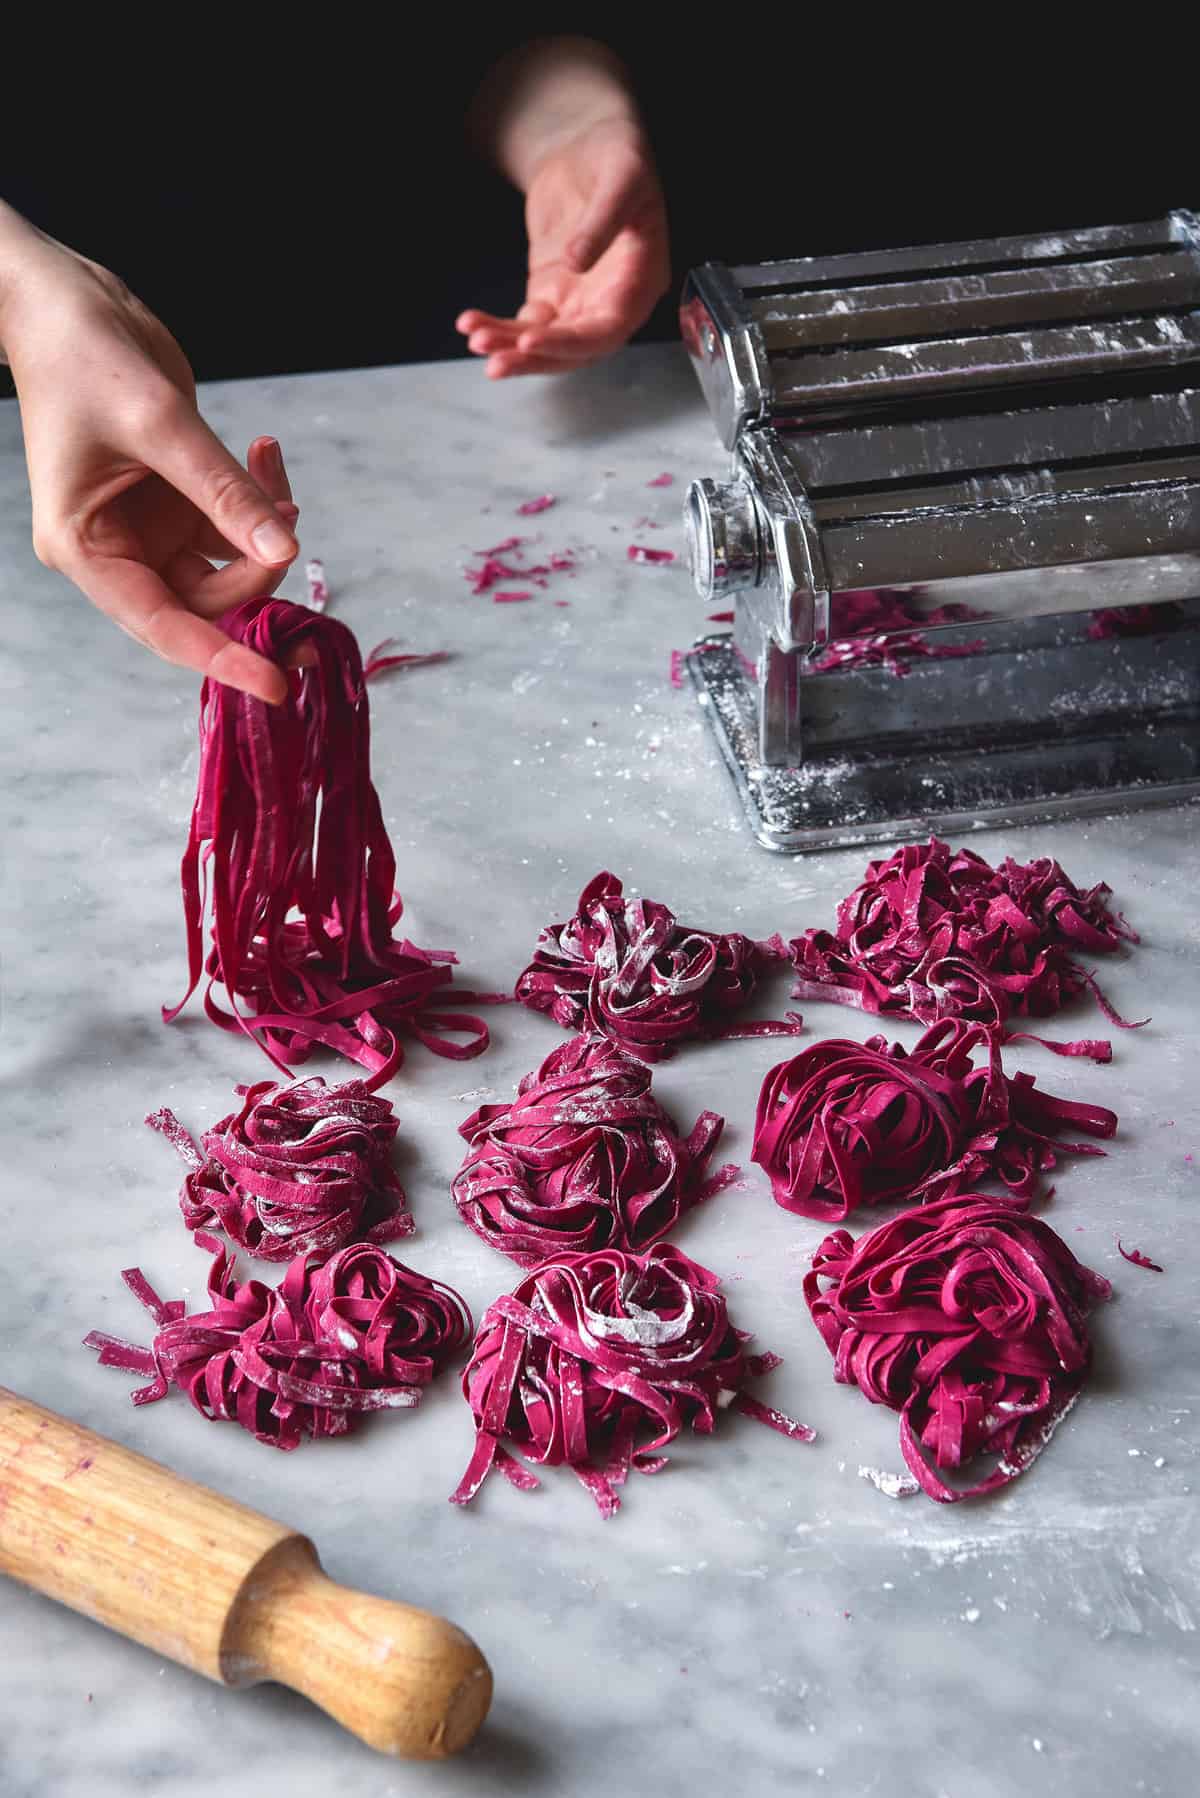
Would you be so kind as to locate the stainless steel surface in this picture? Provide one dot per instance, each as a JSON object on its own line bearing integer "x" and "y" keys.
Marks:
{"x": 1010, "y": 429}
{"x": 722, "y": 522}
{"x": 784, "y": 339}
{"x": 888, "y": 760}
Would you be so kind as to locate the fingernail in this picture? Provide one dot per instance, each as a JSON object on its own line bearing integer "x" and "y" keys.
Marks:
{"x": 274, "y": 455}
{"x": 273, "y": 542}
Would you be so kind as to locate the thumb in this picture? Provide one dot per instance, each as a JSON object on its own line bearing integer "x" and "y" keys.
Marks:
{"x": 614, "y": 198}
{"x": 197, "y": 464}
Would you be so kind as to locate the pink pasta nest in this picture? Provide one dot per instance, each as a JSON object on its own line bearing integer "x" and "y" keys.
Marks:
{"x": 968, "y": 1318}
{"x": 341, "y": 1336}
{"x": 583, "y": 1159}
{"x": 599, "y": 1361}
{"x": 626, "y": 969}
{"x": 845, "y": 1124}
{"x": 299, "y": 1169}
{"x": 936, "y": 932}
{"x": 288, "y": 856}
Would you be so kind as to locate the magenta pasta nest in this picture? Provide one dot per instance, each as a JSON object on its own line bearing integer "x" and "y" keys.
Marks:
{"x": 583, "y": 1158}
{"x": 625, "y": 969}
{"x": 969, "y": 1319}
{"x": 340, "y": 1336}
{"x": 937, "y": 932}
{"x": 598, "y": 1362}
{"x": 299, "y": 1168}
{"x": 844, "y": 1124}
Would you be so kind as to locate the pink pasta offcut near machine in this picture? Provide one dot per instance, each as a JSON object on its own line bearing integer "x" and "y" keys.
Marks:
{"x": 960, "y": 533}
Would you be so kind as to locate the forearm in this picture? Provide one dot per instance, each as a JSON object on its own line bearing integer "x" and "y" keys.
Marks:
{"x": 544, "y": 93}
{"x": 18, "y": 243}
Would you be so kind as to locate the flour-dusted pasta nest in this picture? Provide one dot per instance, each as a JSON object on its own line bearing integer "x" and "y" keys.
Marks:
{"x": 935, "y": 932}
{"x": 969, "y": 1319}
{"x": 626, "y": 969}
{"x": 583, "y": 1158}
{"x": 598, "y": 1362}
{"x": 844, "y": 1124}
{"x": 340, "y": 1336}
{"x": 299, "y": 1167}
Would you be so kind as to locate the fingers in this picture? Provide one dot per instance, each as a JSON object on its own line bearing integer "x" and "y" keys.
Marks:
{"x": 494, "y": 337}
{"x": 265, "y": 465}
{"x": 488, "y": 335}
{"x": 198, "y": 465}
{"x": 139, "y": 600}
{"x": 595, "y": 336}
{"x": 211, "y": 592}
{"x": 209, "y": 541}
{"x": 511, "y": 362}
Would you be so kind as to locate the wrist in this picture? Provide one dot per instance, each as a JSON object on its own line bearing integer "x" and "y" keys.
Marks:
{"x": 16, "y": 239}
{"x": 548, "y": 94}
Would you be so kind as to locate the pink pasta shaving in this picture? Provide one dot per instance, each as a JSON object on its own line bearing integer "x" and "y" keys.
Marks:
{"x": 966, "y": 1317}
{"x": 584, "y": 1158}
{"x": 341, "y": 1336}
{"x": 845, "y": 1124}
{"x": 625, "y": 969}
{"x": 384, "y": 658}
{"x": 876, "y": 629}
{"x": 302, "y": 915}
{"x": 637, "y": 552}
{"x": 662, "y": 480}
{"x": 542, "y": 504}
{"x": 318, "y": 592}
{"x": 301, "y": 1168}
{"x": 495, "y": 566}
{"x": 935, "y": 932}
{"x": 1134, "y": 621}
{"x": 1138, "y": 1259}
{"x": 599, "y": 1361}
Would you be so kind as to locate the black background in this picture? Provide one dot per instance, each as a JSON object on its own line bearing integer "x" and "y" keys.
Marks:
{"x": 337, "y": 219}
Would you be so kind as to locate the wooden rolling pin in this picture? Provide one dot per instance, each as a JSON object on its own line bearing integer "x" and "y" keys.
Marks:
{"x": 224, "y": 1591}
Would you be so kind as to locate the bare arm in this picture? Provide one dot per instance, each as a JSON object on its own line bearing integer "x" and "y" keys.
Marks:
{"x": 132, "y": 493}
{"x": 559, "y": 118}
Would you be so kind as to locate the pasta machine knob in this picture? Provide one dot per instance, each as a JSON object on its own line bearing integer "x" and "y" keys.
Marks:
{"x": 724, "y": 537}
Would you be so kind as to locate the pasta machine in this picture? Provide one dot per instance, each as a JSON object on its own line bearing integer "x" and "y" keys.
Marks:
{"x": 960, "y": 537}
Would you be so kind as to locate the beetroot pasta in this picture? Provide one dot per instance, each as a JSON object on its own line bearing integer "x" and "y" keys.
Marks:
{"x": 844, "y": 1124}
{"x": 626, "y": 969}
{"x": 934, "y": 932}
{"x": 583, "y": 1158}
{"x": 289, "y": 858}
{"x": 299, "y": 1168}
{"x": 341, "y": 1336}
{"x": 598, "y": 1362}
{"x": 969, "y": 1319}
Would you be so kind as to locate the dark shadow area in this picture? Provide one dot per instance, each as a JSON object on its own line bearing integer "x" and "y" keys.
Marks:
{"x": 350, "y": 224}
{"x": 507, "y": 1755}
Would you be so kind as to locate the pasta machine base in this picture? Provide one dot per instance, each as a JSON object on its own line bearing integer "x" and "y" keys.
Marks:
{"x": 1121, "y": 729}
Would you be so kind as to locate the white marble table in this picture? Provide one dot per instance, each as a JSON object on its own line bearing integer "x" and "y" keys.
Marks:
{"x": 758, "y": 1618}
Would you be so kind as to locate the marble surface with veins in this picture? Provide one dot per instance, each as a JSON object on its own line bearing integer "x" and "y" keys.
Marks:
{"x": 758, "y": 1616}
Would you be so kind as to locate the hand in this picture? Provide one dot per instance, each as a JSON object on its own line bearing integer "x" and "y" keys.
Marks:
{"x": 133, "y": 494}
{"x": 598, "y": 256}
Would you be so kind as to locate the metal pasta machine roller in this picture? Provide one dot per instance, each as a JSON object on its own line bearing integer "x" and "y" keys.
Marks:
{"x": 960, "y": 539}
